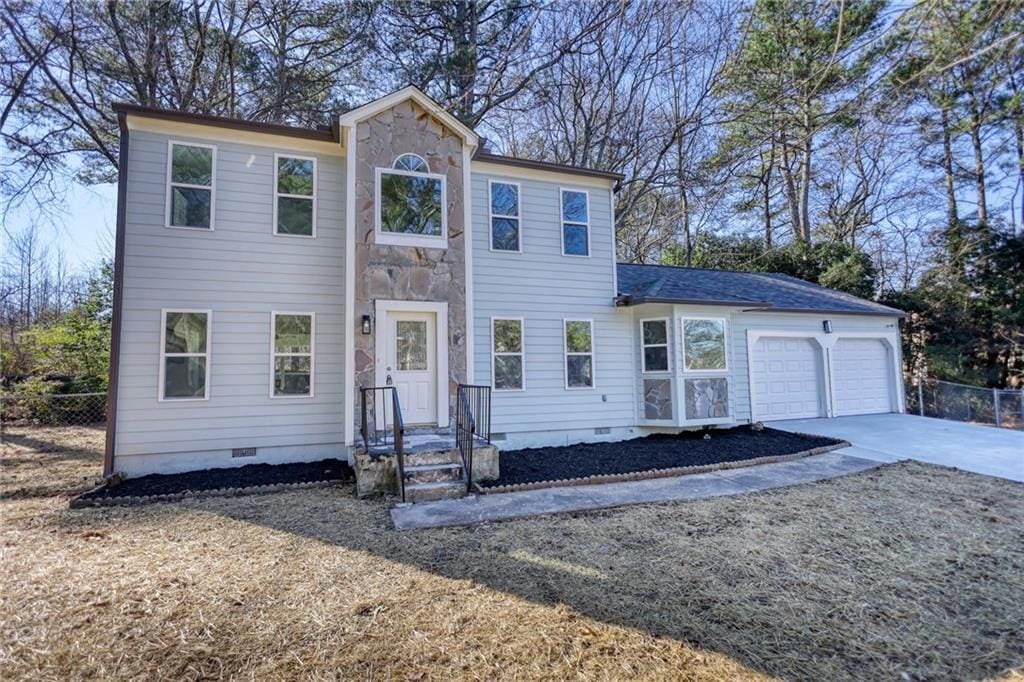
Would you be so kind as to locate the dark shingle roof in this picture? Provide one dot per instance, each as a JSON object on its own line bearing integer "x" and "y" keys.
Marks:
{"x": 762, "y": 290}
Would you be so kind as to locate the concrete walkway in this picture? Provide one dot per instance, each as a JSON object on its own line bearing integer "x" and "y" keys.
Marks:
{"x": 503, "y": 506}
{"x": 893, "y": 437}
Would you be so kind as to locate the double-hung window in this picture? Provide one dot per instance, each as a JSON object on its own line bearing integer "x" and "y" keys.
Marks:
{"x": 579, "y": 353}
{"x": 294, "y": 196}
{"x": 291, "y": 354}
{"x": 190, "y": 185}
{"x": 184, "y": 354}
{"x": 575, "y": 223}
{"x": 654, "y": 343}
{"x": 705, "y": 361}
{"x": 411, "y": 204}
{"x": 505, "y": 234}
{"x": 507, "y": 354}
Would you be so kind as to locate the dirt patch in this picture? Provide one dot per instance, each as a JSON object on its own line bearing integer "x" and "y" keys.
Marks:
{"x": 247, "y": 476}
{"x": 650, "y": 453}
{"x": 904, "y": 572}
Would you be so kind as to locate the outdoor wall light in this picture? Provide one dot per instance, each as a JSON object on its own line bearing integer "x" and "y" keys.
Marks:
{"x": 826, "y": 324}
{"x": 366, "y": 324}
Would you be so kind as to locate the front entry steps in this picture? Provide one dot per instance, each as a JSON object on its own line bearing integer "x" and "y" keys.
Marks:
{"x": 432, "y": 467}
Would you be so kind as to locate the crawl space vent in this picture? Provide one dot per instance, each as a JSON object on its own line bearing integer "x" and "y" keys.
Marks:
{"x": 243, "y": 452}
{"x": 602, "y": 431}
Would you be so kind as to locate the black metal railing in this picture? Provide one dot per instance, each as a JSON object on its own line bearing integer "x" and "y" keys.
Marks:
{"x": 376, "y": 402}
{"x": 472, "y": 422}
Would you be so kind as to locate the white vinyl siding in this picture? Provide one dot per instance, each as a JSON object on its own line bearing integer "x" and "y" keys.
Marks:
{"x": 544, "y": 289}
{"x": 242, "y": 272}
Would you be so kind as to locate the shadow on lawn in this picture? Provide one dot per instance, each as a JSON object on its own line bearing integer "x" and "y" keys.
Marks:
{"x": 876, "y": 588}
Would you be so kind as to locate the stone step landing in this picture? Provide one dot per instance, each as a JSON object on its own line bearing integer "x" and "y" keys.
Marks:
{"x": 432, "y": 468}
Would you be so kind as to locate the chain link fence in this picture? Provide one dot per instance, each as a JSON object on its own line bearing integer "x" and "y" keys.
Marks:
{"x": 51, "y": 422}
{"x": 1003, "y": 408}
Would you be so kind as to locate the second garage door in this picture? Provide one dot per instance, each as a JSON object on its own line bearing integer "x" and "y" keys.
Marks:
{"x": 862, "y": 372}
{"x": 788, "y": 378}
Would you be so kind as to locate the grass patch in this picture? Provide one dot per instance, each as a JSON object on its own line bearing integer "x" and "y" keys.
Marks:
{"x": 905, "y": 569}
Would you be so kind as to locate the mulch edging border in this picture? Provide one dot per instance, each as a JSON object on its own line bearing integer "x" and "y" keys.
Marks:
{"x": 658, "y": 473}
{"x": 82, "y": 502}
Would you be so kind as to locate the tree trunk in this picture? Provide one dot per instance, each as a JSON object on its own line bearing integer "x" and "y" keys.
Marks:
{"x": 947, "y": 168}
{"x": 790, "y": 185}
{"x": 766, "y": 183}
{"x": 805, "y": 177}
{"x": 979, "y": 161}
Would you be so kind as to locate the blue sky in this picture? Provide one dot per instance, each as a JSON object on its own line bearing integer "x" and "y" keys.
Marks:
{"x": 84, "y": 230}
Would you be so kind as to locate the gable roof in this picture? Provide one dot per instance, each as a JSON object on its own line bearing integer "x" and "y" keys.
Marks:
{"x": 767, "y": 291}
{"x": 350, "y": 118}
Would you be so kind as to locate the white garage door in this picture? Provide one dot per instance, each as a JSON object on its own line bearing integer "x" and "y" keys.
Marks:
{"x": 788, "y": 381}
{"x": 862, "y": 372}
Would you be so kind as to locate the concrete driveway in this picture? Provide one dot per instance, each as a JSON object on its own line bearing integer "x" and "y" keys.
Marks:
{"x": 892, "y": 437}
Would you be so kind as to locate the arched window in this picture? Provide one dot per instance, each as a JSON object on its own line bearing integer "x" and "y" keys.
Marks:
{"x": 411, "y": 162}
{"x": 410, "y": 204}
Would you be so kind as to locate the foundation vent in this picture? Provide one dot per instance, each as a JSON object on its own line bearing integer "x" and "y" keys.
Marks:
{"x": 243, "y": 452}
{"x": 602, "y": 431}
{"x": 497, "y": 436}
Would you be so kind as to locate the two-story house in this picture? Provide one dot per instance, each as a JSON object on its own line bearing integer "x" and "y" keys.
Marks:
{"x": 266, "y": 273}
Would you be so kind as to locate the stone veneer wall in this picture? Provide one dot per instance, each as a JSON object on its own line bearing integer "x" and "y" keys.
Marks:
{"x": 405, "y": 272}
{"x": 657, "y": 399}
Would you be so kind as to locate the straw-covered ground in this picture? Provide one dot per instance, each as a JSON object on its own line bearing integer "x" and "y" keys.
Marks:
{"x": 907, "y": 571}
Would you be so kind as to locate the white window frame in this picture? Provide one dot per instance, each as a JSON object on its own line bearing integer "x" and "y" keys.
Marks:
{"x": 162, "y": 374}
{"x": 170, "y": 185}
{"x": 422, "y": 160}
{"x": 566, "y": 354}
{"x": 278, "y": 195}
{"x": 667, "y": 345}
{"x": 311, "y": 355}
{"x": 398, "y": 238}
{"x": 562, "y": 221}
{"x": 491, "y": 215}
{"x": 521, "y": 354}
{"x": 682, "y": 345}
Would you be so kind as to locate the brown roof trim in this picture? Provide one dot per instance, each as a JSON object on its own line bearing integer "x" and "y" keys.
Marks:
{"x": 116, "y": 317}
{"x": 226, "y": 122}
{"x": 487, "y": 157}
{"x": 754, "y": 306}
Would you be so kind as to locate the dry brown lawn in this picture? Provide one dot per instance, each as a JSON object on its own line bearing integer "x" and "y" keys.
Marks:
{"x": 909, "y": 570}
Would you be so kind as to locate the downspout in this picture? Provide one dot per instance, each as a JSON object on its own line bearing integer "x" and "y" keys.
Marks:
{"x": 115, "y": 321}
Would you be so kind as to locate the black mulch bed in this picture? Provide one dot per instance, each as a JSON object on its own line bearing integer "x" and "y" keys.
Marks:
{"x": 215, "y": 479}
{"x": 658, "y": 451}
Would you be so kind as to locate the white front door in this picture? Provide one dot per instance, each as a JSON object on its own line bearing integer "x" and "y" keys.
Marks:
{"x": 411, "y": 364}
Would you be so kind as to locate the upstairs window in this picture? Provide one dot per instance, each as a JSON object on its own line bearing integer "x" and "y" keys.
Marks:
{"x": 505, "y": 216}
{"x": 190, "y": 180}
{"x": 295, "y": 196}
{"x": 654, "y": 342}
{"x": 507, "y": 354}
{"x": 292, "y": 354}
{"x": 579, "y": 354}
{"x": 410, "y": 203}
{"x": 184, "y": 354}
{"x": 575, "y": 223}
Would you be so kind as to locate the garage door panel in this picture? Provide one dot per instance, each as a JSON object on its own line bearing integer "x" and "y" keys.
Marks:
{"x": 862, "y": 371}
{"x": 787, "y": 378}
